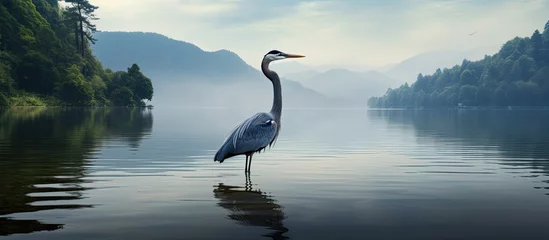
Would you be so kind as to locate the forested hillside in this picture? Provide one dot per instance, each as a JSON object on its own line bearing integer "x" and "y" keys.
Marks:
{"x": 45, "y": 58}
{"x": 160, "y": 55}
{"x": 518, "y": 75}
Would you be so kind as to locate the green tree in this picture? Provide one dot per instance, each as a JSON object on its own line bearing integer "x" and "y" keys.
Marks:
{"x": 4, "y": 100}
{"x": 123, "y": 97}
{"x": 81, "y": 12}
{"x": 537, "y": 45}
{"x": 6, "y": 81}
{"x": 500, "y": 95}
{"x": 528, "y": 93}
{"x": 372, "y": 102}
{"x": 545, "y": 52}
{"x": 466, "y": 77}
{"x": 76, "y": 89}
{"x": 452, "y": 100}
{"x": 484, "y": 96}
{"x": 99, "y": 88}
{"x": 546, "y": 31}
{"x": 141, "y": 85}
{"x": 467, "y": 95}
{"x": 37, "y": 73}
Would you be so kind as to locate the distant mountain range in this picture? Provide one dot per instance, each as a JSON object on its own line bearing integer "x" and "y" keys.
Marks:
{"x": 292, "y": 67}
{"x": 429, "y": 62}
{"x": 344, "y": 84}
{"x": 360, "y": 85}
{"x": 185, "y": 75}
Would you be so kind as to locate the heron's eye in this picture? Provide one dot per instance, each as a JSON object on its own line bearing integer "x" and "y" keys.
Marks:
{"x": 269, "y": 122}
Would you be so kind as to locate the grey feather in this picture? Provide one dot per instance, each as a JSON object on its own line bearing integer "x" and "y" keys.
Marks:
{"x": 250, "y": 136}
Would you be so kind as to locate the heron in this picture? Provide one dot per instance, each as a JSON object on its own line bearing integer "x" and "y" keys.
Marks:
{"x": 260, "y": 130}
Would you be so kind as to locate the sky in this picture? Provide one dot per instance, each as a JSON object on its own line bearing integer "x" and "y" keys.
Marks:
{"x": 341, "y": 32}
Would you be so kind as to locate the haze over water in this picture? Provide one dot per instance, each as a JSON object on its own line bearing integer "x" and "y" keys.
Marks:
{"x": 333, "y": 174}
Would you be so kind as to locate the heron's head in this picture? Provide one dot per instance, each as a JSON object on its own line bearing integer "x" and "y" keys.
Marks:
{"x": 275, "y": 55}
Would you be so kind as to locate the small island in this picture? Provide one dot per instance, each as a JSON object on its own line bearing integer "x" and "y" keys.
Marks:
{"x": 518, "y": 76}
{"x": 46, "y": 60}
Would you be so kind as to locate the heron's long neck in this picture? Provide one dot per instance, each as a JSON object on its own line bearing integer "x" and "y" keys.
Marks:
{"x": 276, "y": 110}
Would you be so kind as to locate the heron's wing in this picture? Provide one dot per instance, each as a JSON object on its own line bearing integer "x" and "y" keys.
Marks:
{"x": 254, "y": 133}
{"x": 235, "y": 132}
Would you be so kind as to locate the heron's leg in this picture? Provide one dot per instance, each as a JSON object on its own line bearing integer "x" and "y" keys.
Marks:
{"x": 246, "y": 166}
{"x": 250, "y": 166}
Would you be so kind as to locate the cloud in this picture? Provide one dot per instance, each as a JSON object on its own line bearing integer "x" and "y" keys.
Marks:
{"x": 339, "y": 32}
{"x": 205, "y": 9}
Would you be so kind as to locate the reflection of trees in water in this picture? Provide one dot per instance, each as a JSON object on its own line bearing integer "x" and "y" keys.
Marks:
{"x": 124, "y": 123}
{"x": 521, "y": 137}
{"x": 43, "y": 156}
{"x": 251, "y": 207}
{"x": 10, "y": 226}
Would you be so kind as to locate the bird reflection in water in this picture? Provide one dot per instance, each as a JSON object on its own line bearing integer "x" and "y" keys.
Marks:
{"x": 251, "y": 207}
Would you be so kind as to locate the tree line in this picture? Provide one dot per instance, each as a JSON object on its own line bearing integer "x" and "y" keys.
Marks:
{"x": 517, "y": 75}
{"x": 45, "y": 58}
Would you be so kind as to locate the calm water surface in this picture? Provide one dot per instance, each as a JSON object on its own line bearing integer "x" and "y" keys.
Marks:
{"x": 333, "y": 174}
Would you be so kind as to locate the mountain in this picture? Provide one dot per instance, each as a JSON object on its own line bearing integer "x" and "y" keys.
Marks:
{"x": 160, "y": 55}
{"x": 296, "y": 67}
{"x": 186, "y": 75}
{"x": 345, "y": 84}
{"x": 290, "y": 67}
{"x": 426, "y": 63}
{"x": 300, "y": 76}
{"x": 386, "y": 67}
{"x": 517, "y": 75}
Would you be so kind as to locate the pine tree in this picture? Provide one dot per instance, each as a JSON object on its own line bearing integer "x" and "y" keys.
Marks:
{"x": 81, "y": 12}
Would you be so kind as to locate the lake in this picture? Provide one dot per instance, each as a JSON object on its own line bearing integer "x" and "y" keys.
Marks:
{"x": 119, "y": 173}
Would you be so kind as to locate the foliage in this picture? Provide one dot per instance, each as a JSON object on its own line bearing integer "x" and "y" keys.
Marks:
{"x": 26, "y": 100}
{"x": 123, "y": 96}
{"x": 129, "y": 88}
{"x": 4, "y": 100}
{"x": 75, "y": 89}
{"x": 6, "y": 81}
{"x": 45, "y": 55}
{"x": 517, "y": 75}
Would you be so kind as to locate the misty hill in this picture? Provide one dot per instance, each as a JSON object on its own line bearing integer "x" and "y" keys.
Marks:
{"x": 288, "y": 68}
{"x": 344, "y": 84}
{"x": 300, "y": 76}
{"x": 517, "y": 75}
{"x": 408, "y": 70}
{"x": 285, "y": 68}
{"x": 160, "y": 55}
{"x": 185, "y": 75}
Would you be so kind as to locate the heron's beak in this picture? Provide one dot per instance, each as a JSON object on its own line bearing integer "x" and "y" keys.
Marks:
{"x": 288, "y": 55}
